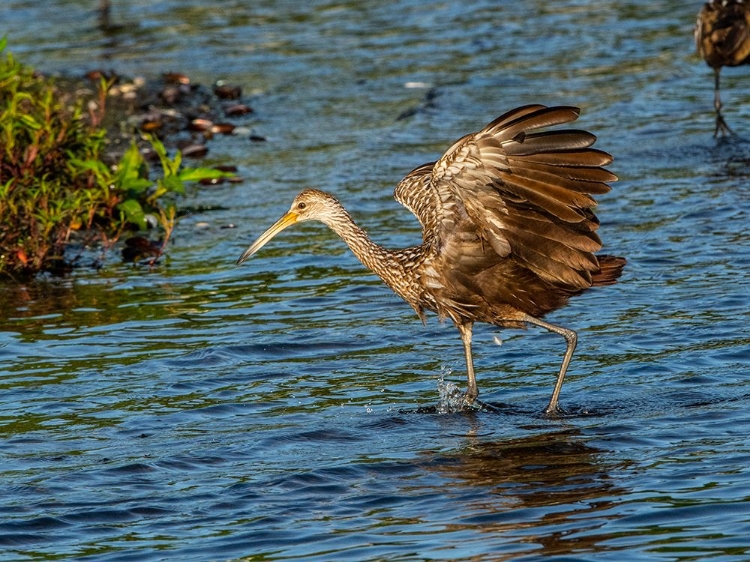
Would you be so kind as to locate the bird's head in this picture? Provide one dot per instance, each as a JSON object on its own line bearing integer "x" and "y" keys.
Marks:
{"x": 309, "y": 205}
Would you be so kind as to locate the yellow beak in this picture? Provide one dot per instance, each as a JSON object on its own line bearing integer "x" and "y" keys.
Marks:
{"x": 287, "y": 220}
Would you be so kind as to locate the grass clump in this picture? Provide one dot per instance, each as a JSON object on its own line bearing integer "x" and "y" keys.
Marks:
{"x": 54, "y": 185}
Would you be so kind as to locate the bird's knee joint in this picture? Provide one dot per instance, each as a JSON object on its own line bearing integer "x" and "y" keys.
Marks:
{"x": 571, "y": 337}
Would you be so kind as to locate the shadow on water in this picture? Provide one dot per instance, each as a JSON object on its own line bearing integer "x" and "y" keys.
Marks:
{"x": 554, "y": 481}
{"x": 542, "y": 493}
{"x": 730, "y": 158}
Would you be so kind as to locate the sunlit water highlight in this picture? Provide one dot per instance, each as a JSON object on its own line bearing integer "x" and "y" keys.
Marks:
{"x": 293, "y": 408}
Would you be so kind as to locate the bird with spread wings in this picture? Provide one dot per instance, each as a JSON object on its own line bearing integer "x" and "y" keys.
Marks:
{"x": 508, "y": 228}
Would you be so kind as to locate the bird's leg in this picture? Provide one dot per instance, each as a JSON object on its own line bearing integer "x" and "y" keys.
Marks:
{"x": 471, "y": 389}
{"x": 721, "y": 125}
{"x": 571, "y": 339}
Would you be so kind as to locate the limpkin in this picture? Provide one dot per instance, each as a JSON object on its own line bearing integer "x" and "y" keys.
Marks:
{"x": 722, "y": 37}
{"x": 507, "y": 224}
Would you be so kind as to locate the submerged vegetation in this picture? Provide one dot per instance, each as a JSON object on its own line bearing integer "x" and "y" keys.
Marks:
{"x": 57, "y": 192}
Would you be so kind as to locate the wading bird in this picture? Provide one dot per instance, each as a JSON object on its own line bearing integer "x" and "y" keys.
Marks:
{"x": 507, "y": 225}
{"x": 722, "y": 37}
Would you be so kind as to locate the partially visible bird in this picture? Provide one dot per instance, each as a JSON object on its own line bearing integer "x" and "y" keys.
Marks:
{"x": 507, "y": 224}
{"x": 722, "y": 37}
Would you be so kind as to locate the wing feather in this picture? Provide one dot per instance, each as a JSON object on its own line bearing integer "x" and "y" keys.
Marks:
{"x": 511, "y": 124}
{"x": 512, "y": 116}
{"x": 584, "y": 239}
{"x": 586, "y": 158}
{"x": 512, "y": 196}
{"x": 564, "y": 203}
{"x": 551, "y": 141}
{"x": 416, "y": 193}
{"x": 586, "y": 180}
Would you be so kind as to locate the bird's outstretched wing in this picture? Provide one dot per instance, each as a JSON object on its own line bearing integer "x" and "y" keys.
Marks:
{"x": 510, "y": 193}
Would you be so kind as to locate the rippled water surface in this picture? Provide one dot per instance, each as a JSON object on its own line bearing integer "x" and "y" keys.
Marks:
{"x": 293, "y": 408}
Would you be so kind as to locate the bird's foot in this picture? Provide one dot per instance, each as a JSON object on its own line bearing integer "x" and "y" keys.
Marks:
{"x": 469, "y": 401}
{"x": 452, "y": 400}
{"x": 554, "y": 412}
{"x": 722, "y": 127}
{"x": 485, "y": 406}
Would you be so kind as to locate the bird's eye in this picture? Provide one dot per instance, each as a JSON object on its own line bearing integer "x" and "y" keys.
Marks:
{"x": 301, "y": 205}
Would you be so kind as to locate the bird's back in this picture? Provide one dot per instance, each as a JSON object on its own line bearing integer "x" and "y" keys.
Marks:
{"x": 722, "y": 33}
{"x": 507, "y": 218}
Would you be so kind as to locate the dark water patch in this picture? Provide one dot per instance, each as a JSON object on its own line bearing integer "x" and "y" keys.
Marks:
{"x": 185, "y": 463}
{"x": 215, "y": 411}
{"x": 289, "y": 349}
{"x": 39, "y": 524}
{"x": 312, "y": 437}
{"x": 102, "y": 516}
{"x": 132, "y": 469}
{"x": 24, "y": 540}
{"x": 203, "y": 358}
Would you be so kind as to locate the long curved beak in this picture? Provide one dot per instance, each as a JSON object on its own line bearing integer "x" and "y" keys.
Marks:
{"x": 287, "y": 220}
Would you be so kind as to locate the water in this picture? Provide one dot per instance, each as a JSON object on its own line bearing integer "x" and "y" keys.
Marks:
{"x": 292, "y": 408}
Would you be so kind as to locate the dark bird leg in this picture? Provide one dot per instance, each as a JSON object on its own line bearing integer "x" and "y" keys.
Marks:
{"x": 571, "y": 339}
{"x": 721, "y": 125}
{"x": 471, "y": 389}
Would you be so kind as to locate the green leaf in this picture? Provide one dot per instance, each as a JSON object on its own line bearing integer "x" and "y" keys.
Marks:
{"x": 130, "y": 161}
{"x": 173, "y": 184}
{"x": 5, "y": 188}
{"x": 30, "y": 122}
{"x": 197, "y": 174}
{"x": 95, "y": 166}
{"x": 168, "y": 166}
{"x": 133, "y": 213}
{"x": 177, "y": 162}
{"x": 136, "y": 185}
{"x": 157, "y": 145}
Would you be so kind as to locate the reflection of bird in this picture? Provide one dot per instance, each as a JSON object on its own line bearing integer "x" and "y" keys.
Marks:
{"x": 722, "y": 36}
{"x": 508, "y": 230}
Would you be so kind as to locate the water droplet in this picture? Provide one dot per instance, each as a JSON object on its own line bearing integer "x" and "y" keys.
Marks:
{"x": 451, "y": 397}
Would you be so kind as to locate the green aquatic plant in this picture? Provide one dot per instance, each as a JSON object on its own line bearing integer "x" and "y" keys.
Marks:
{"x": 55, "y": 187}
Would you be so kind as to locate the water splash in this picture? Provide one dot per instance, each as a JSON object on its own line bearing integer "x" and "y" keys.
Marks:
{"x": 451, "y": 396}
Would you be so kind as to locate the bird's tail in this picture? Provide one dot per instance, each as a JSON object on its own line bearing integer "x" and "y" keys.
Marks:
{"x": 610, "y": 268}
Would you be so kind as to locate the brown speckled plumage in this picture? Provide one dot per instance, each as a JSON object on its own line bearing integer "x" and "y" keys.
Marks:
{"x": 509, "y": 233}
